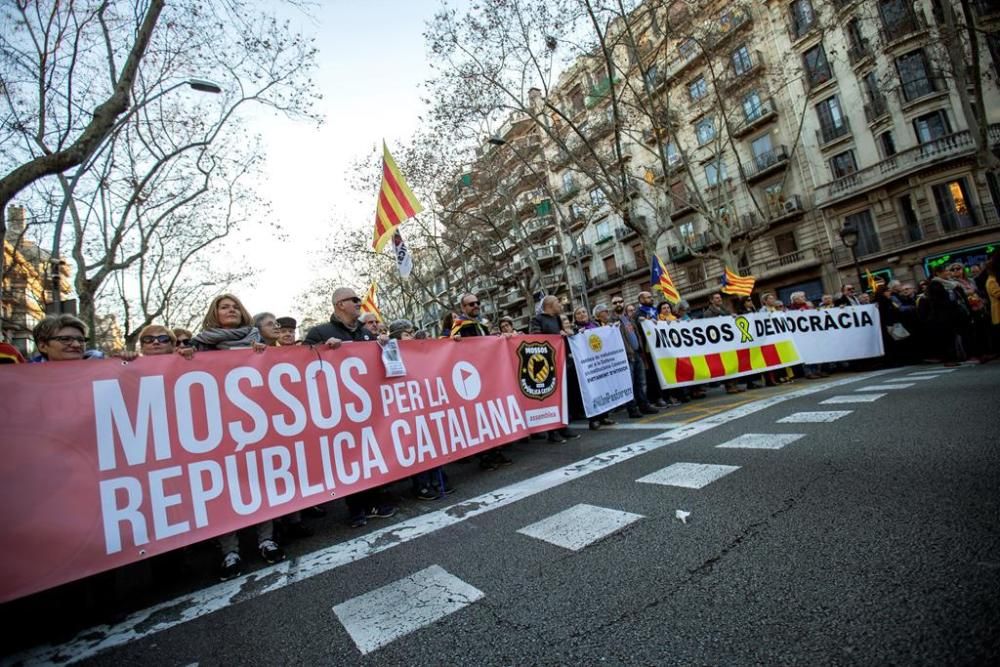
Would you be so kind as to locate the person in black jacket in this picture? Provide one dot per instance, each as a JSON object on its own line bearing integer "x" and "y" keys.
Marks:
{"x": 549, "y": 321}
{"x": 344, "y": 326}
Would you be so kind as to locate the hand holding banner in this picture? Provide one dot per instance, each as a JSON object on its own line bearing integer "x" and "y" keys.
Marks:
{"x": 602, "y": 369}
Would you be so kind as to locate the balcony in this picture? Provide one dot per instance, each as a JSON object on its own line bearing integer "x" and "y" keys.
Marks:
{"x": 909, "y": 23}
{"x": 788, "y": 208}
{"x": 567, "y": 191}
{"x": 829, "y": 133}
{"x": 598, "y": 280}
{"x": 624, "y": 233}
{"x": 682, "y": 206}
{"x": 727, "y": 25}
{"x": 793, "y": 261}
{"x": 554, "y": 279}
{"x": 916, "y": 90}
{"x": 547, "y": 253}
{"x": 949, "y": 147}
{"x": 511, "y": 298}
{"x": 538, "y": 226}
{"x": 817, "y": 78}
{"x": 858, "y": 52}
{"x": 765, "y": 164}
{"x": 876, "y": 108}
{"x": 582, "y": 251}
{"x": 764, "y": 113}
{"x": 734, "y": 79}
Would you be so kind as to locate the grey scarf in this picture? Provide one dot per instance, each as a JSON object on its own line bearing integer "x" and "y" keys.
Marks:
{"x": 226, "y": 339}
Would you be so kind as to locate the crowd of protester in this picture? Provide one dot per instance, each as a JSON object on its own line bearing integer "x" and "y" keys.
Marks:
{"x": 950, "y": 318}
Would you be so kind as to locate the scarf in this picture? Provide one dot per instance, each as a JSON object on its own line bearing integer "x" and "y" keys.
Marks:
{"x": 227, "y": 339}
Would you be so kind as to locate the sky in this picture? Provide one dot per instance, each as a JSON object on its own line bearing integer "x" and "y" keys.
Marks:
{"x": 371, "y": 63}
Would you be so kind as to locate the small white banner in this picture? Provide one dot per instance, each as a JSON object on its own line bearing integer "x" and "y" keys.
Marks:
{"x": 832, "y": 334}
{"x": 602, "y": 369}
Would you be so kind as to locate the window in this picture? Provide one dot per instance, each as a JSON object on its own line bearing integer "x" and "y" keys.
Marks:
{"x": 670, "y": 153}
{"x": 705, "y": 130}
{"x": 763, "y": 151}
{"x": 868, "y": 242}
{"x": 915, "y": 75}
{"x": 679, "y": 195}
{"x": 603, "y": 229}
{"x": 694, "y": 274}
{"x": 742, "y": 62}
{"x": 993, "y": 44}
{"x": 816, "y": 66}
{"x": 697, "y": 89}
{"x": 575, "y": 212}
{"x": 876, "y": 106}
{"x": 576, "y": 101}
{"x": 802, "y": 17}
{"x": 931, "y": 126}
{"x": 688, "y": 48}
{"x": 715, "y": 172}
{"x": 954, "y": 205}
{"x": 832, "y": 123}
{"x": 610, "y": 266}
{"x": 640, "y": 254}
{"x": 843, "y": 164}
{"x": 568, "y": 182}
{"x": 686, "y": 232}
{"x": 597, "y": 197}
{"x": 753, "y": 108}
{"x": 652, "y": 75}
{"x": 898, "y": 18}
{"x": 857, "y": 46}
{"x": 886, "y": 144}
{"x": 785, "y": 244}
{"x": 773, "y": 195}
{"x": 910, "y": 222}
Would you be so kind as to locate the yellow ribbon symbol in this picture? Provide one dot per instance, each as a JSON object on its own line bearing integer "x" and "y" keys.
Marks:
{"x": 743, "y": 324}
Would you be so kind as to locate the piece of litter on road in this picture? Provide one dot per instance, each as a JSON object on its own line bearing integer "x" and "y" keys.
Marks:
{"x": 682, "y": 515}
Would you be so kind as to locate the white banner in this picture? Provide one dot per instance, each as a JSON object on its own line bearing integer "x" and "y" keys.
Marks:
{"x": 602, "y": 369}
{"x": 833, "y": 334}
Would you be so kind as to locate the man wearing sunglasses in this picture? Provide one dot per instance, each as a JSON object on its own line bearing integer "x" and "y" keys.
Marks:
{"x": 345, "y": 326}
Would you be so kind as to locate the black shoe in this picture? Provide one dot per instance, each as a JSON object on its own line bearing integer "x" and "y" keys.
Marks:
{"x": 556, "y": 439}
{"x": 271, "y": 552}
{"x": 296, "y": 531}
{"x": 486, "y": 462}
{"x": 380, "y": 512}
{"x": 314, "y": 512}
{"x": 594, "y": 424}
{"x": 634, "y": 414}
{"x": 648, "y": 410}
{"x": 607, "y": 421}
{"x": 232, "y": 566}
{"x": 569, "y": 435}
{"x": 499, "y": 459}
{"x": 753, "y": 385}
{"x": 357, "y": 520}
{"x": 426, "y": 493}
{"x": 537, "y": 436}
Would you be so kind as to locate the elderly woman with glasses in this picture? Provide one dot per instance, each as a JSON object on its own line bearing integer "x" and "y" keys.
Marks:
{"x": 270, "y": 330}
{"x": 62, "y": 338}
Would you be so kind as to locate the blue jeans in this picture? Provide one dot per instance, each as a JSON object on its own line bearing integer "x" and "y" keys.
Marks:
{"x": 638, "y": 367}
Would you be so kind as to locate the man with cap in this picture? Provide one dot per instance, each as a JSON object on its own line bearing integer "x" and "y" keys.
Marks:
{"x": 286, "y": 330}
{"x": 344, "y": 326}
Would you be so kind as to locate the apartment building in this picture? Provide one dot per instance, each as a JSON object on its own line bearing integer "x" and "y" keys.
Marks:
{"x": 753, "y": 130}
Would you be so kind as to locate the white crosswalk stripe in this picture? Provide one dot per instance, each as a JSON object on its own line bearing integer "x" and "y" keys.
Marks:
{"x": 922, "y": 377}
{"x": 814, "y": 417}
{"x": 688, "y": 475}
{"x": 761, "y": 441}
{"x": 397, "y": 609}
{"x": 579, "y": 526}
{"x": 884, "y": 387}
{"x": 852, "y": 398}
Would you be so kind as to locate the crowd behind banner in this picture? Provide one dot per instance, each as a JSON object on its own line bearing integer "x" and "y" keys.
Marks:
{"x": 950, "y": 318}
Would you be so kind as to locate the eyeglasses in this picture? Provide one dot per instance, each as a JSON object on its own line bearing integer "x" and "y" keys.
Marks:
{"x": 148, "y": 340}
{"x": 355, "y": 300}
{"x": 66, "y": 340}
{"x": 471, "y": 303}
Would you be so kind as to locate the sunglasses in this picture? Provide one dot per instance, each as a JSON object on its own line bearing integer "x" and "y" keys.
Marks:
{"x": 355, "y": 300}
{"x": 66, "y": 340}
{"x": 471, "y": 303}
{"x": 161, "y": 338}
{"x": 617, "y": 303}
{"x": 184, "y": 342}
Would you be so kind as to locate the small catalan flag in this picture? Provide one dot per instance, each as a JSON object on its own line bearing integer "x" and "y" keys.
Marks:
{"x": 661, "y": 282}
{"x": 734, "y": 283}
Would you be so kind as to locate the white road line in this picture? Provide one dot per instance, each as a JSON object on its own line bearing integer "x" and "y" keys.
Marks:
{"x": 172, "y": 613}
{"x": 648, "y": 426}
{"x": 935, "y": 371}
{"x": 761, "y": 441}
{"x": 814, "y": 417}
{"x": 579, "y": 526}
{"x": 397, "y": 609}
{"x": 688, "y": 475}
{"x": 911, "y": 378}
{"x": 852, "y": 398}
{"x": 883, "y": 387}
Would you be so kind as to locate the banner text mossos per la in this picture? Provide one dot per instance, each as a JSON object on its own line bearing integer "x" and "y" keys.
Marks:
{"x": 167, "y": 452}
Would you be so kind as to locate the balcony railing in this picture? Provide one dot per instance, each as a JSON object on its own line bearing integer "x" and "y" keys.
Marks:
{"x": 914, "y": 90}
{"x": 582, "y": 250}
{"x": 765, "y": 163}
{"x": 828, "y": 133}
{"x": 817, "y": 77}
{"x": 876, "y": 108}
{"x": 908, "y": 23}
{"x": 622, "y": 233}
{"x": 754, "y": 68}
{"x": 788, "y": 207}
{"x": 930, "y": 230}
{"x": 547, "y": 252}
{"x": 902, "y": 163}
{"x": 762, "y": 113}
{"x": 859, "y": 51}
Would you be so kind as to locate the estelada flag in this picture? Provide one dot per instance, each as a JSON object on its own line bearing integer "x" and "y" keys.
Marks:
{"x": 660, "y": 281}
{"x": 370, "y": 305}
{"x": 396, "y": 202}
{"x": 734, "y": 283}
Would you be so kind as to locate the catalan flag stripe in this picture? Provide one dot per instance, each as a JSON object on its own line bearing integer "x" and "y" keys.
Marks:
{"x": 707, "y": 367}
{"x": 396, "y": 201}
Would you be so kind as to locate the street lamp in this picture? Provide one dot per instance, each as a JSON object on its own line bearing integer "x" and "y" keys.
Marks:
{"x": 850, "y": 237}
{"x": 497, "y": 140}
{"x": 200, "y": 85}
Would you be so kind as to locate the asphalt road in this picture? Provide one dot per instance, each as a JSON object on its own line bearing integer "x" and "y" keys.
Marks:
{"x": 870, "y": 539}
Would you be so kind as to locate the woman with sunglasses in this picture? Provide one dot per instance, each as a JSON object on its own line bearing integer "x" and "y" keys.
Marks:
{"x": 62, "y": 338}
{"x": 156, "y": 339}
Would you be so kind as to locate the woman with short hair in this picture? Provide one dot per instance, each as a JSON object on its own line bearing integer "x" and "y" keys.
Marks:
{"x": 267, "y": 325}
{"x": 62, "y": 338}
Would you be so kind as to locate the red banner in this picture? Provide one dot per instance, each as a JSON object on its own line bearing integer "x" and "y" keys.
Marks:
{"x": 105, "y": 464}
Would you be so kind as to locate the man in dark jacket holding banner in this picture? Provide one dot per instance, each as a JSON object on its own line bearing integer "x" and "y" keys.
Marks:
{"x": 548, "y": 321}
